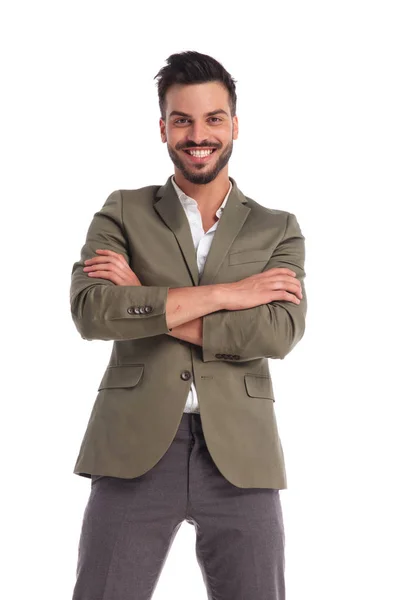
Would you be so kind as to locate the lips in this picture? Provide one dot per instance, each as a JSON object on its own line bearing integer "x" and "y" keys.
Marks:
{"x": 199, "y": 159}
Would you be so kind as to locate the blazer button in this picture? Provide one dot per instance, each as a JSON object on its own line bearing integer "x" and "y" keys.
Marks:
{"x": 186, "y": 375}
{"x": 141, "y": 310}
{"x": 236, "y": 356}
{"x": 131, "y": 310}
{"x": 148, "y": 309}
{"x": 136, "y": 310}
{"x": 219, "y": 356}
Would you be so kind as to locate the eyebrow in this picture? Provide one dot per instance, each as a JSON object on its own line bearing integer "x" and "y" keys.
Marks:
{"x": 209, "y": 114}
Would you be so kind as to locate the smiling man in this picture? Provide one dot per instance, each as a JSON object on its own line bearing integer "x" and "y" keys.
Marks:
{"x": 199, "y": 163}
{"x": 198, "y": 286}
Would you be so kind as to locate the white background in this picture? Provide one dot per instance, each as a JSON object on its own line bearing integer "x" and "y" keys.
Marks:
{"x": 318, "y": 108}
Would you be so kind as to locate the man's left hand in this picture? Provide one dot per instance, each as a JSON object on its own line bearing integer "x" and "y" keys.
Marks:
{"x": 113, "y": 266}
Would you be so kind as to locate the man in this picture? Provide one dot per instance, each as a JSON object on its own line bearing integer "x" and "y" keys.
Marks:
{"x": 197, "y": 285}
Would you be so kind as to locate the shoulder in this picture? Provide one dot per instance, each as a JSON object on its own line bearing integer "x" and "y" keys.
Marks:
{"x": 138, "y": 195}
{"x": 275, "y": 215}
{"x": 124, "y": 199}
{"x": 142, "y": 192}
{"x": 283, "y": 220}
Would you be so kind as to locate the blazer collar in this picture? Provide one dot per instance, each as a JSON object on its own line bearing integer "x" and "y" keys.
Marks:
{"x": 185, "y": 199}
{"x": 233, "y": 217}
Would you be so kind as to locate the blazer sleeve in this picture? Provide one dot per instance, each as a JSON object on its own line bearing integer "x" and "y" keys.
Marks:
{"x": 269, "y": 330}
{"x": 102, "y": 310}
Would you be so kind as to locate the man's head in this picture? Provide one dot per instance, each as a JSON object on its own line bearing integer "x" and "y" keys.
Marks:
{"x": 197, "y": 100}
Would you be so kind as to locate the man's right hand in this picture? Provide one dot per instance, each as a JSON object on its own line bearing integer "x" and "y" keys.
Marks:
{"x": 275, "y": 284}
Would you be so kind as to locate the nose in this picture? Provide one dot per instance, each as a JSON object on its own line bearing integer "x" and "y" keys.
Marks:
{"x": 198, "y": 133}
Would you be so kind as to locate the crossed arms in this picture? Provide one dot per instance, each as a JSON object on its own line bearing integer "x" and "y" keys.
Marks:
{"x": 103, "y": 310}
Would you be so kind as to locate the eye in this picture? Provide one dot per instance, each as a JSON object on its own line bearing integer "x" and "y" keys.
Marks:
{"x": 178, "y": 121}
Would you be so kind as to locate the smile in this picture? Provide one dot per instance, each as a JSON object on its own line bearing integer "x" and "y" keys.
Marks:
{"x": 199, "y": 155}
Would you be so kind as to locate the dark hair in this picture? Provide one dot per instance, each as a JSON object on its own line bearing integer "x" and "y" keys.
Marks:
{"x": 193, "y": 67}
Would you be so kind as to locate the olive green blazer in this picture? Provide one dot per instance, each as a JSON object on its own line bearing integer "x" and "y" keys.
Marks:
{"x": 142, "y": 394}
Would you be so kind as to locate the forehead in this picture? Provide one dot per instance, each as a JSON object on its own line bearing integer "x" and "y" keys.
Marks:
{"x": 197, "y": 98}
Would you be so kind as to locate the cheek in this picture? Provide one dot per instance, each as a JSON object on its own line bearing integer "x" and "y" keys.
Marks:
{"x": 227, "y": 142}
{"x": 226, "y": 135}
{"x": 173, "y": 140}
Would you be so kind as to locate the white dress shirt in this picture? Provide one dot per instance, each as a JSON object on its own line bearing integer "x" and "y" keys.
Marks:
{"x": 202, "y": 243}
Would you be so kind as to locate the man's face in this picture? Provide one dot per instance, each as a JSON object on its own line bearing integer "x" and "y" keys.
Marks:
{"x": 189, "y": 126}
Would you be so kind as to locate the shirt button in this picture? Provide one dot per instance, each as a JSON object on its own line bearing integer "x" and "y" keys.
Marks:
{"x": 185, "y": 375}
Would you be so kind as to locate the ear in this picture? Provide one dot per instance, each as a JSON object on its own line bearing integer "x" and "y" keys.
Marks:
{"x": 163, "y": 130}
{"x": 235, "y": 132}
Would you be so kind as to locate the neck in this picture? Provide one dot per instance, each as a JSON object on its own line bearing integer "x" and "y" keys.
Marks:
{"x": 209, "y": 196}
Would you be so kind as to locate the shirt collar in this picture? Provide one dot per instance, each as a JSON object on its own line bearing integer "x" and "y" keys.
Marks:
{"x": 187, "y": 200}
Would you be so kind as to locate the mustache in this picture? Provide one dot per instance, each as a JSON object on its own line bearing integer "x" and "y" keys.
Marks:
{"x": 193, "y": 146}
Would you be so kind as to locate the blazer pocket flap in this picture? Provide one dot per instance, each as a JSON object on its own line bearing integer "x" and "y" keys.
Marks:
{"x": 121, "y": 376}
{"x": 259, "y": 386}
{"x": 236, "y": 258}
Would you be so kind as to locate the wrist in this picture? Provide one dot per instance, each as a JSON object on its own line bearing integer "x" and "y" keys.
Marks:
{"x": 220, "y": 295}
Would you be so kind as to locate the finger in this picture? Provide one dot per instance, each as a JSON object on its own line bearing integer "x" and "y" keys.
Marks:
{"x": 292, "y": 298}
{"x": 109, "y": 267}
{"x": 276, "y": 272}
{"x": 272, "y": 277}
{"x": 112, "y": 253}
{"x": 279, "y": 277}
{"x": 285, "y": 283}
{"x": 104, "y": 259}
{"x": 110, "y": 257}
{"x": 281, "y": 295}
{"x": 289, "y": 286}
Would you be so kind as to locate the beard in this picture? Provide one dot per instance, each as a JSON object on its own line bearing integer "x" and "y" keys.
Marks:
{"x": 201, "y": 173}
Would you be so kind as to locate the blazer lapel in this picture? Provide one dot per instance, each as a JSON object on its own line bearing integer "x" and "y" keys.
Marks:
{"x": 173, "y": 214}
{"x": 231, "y": 221}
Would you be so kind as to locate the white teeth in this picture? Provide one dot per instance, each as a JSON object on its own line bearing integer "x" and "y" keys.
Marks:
{"x": 200, "y": 153}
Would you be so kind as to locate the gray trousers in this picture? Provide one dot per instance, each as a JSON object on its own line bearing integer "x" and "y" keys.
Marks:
{"x": 129, "y": 526}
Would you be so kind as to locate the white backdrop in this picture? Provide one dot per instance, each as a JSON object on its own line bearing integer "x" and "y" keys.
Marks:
{"x": 318, "y": 109}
